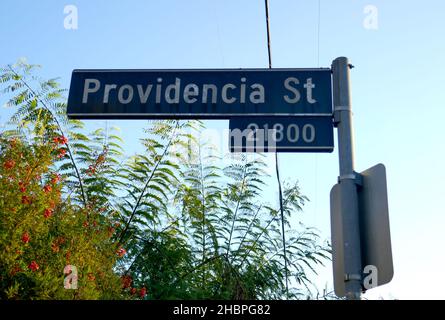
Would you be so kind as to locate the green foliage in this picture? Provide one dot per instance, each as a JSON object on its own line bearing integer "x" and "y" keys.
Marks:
{"x": 40, "y": 233}
{"x": 184, "y": 227}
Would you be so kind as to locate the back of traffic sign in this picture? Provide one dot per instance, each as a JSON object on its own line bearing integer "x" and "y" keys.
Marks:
{"x": 375, "y": 235}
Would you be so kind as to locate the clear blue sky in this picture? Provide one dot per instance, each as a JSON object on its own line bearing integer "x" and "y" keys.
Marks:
{"x": 398, "y": 90}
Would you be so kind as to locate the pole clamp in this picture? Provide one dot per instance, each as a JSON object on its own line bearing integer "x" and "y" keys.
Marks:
{"x": 342, "y": 108}
{"x": 337, "y": 113}
{"x": 350, "y": 277}
{"x": 357, "y": 177}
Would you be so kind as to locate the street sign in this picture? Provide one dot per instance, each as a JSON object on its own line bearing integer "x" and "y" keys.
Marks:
{"x": 282, "y": 110}
{"x": 281, "y": 134}
{"x": 206, "y": 94}
{"x": 375, "y": 235}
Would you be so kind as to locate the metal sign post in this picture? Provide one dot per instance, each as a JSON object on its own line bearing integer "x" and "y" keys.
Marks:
{"x": 347, "y": 178}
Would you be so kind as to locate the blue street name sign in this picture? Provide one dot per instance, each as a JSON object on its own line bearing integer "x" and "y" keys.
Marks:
{"x": 282, "y": 134}
{"x": 205, "y": 94}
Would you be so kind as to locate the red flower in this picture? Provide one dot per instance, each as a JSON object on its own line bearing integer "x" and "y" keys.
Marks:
{"x": 60, "y": 140}
{"x": 55, "y": 247}
{"x": 22, "y": 186}
{"x": 25, "y": 237}
{"x": 91, "y": 277}
{"x": 47, "y": 213}
{"x": 91, "y": 170}
{"x": 121, "y": 252}
{"x": 15, "y": 270}
{"x": 33, "y": 266}
{"x": 26, "y": 200}
{"x": 47, "y": 188}
{"x": 9, "y": 164}
{"x": 143, "y": 292}
{"x": 63, "y": 140}
{"x": 55, "y": 178}
{"x": 85, "y": 224}
{"x": 62, "y": 153}
{"x": 133, "y": 291}
{"x": 126, "y": 281}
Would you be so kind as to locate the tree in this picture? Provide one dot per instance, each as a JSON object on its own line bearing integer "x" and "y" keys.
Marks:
{"x": 41, "y": 234}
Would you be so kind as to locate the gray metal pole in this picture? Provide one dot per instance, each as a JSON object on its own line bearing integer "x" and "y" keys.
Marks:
{"x": 347, "y": 178}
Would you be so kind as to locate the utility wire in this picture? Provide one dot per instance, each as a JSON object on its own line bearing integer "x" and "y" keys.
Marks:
{"x": 280, "y": 191}
{"x": 316, "y": 154}
{"x": 266, "y": 3}
{"x": 318, "y": 33}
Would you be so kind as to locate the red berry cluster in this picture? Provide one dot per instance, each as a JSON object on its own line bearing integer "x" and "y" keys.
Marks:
{"x": 22, "y": 187}
{"x": 25, "y": 237}
{"x": 48, "y": 213}
{"x": 9, "y": 164}
{"x": 26, "y": 200}
{"x": 61, "y": 153}
{"x": 55, "y": 245}
{"x": 55, "y": 178}
{"x": 60, "y": 140}
{"x": 121, "y": 252}
{"x": 91, "y": 276}
{"x": 16, "y": 270}
{"x": 126, "y": 283}
{"x": 33, "y": 266}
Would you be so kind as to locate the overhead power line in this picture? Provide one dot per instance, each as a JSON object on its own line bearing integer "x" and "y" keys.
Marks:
{"x": 280, "y": 191}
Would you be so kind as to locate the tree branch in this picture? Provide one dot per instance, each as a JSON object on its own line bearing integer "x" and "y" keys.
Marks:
{"x": 127, "y": 225}
{"x": 60, "y": 129}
